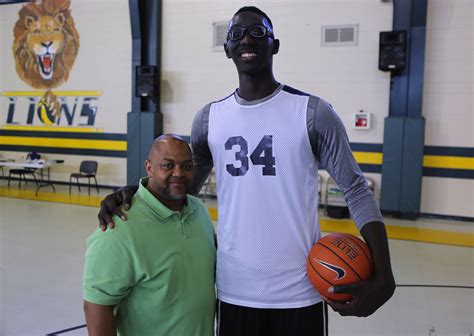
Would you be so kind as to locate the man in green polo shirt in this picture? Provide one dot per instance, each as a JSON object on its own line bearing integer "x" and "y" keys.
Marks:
{"x": 155, "y": 277}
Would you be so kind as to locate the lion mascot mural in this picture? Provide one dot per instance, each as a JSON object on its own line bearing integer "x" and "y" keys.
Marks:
{"x": 45, "y": 47}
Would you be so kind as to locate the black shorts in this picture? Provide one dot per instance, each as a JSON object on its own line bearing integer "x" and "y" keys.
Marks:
{"x": 235, "y": 320}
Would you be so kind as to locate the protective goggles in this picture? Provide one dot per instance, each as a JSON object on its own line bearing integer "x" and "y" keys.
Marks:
{"x": 236, "y": 33}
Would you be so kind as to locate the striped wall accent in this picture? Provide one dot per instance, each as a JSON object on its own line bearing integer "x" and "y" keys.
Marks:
{"x": 368, "y": 156}
{"x": 452, "y": 162}
{"x": 63, "y": 140}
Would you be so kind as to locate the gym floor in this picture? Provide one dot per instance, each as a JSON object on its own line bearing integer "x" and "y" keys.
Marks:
{"x": 42, "y": 244}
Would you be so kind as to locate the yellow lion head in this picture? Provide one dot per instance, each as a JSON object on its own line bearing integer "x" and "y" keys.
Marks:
{"x": 46, "y": 43}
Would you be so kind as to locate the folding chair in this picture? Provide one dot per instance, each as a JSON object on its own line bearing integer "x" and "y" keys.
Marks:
{"x": 87, "y": 169}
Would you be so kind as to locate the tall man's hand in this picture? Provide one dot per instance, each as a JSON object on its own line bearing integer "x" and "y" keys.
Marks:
{"x": 112, "y": 205}
{"x": 369, "y": 295}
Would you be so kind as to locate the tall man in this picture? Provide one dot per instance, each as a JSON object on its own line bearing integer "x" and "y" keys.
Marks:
{"x": 266, "y": 142}
{"x": 155, "y": 274}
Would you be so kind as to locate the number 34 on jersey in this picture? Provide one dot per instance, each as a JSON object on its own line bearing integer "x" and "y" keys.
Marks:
{"x": 262, "y": 155}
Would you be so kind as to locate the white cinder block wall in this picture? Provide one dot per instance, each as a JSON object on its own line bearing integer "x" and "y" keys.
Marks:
{"x": 348, "y": 77}
{"x": 194, "y": 73}
{"x": 448, "y": 100}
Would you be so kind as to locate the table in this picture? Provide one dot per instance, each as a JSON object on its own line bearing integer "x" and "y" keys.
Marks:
{"x": 35, "y": 164}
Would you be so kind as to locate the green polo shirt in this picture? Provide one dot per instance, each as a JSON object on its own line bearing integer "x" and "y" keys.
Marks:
{"x": 157, "y": 268}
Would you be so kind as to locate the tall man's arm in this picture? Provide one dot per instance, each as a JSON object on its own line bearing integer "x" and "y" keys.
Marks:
{"x": 332, "y": 150}
{"x": 202, "y": 156}
{"x": 100, "y": 319}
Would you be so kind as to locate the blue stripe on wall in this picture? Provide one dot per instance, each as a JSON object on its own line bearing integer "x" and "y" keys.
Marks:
{"x": 449, "y": 151}
{"x": 65, "y": 135}
{"x": 452, "y": 173}
{"x": 366, "y": 147}
{"x": 370, "y": 168}
{"x": 70, "y": 151}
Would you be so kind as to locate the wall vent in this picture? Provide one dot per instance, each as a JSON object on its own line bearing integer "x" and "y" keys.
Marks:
{"x": 220, "y": 35}
{"x": 342, "y": 35}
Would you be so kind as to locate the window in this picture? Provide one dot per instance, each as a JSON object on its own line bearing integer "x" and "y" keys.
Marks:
{"x": 343, "y": 35}
{"x": 220, "y": 35}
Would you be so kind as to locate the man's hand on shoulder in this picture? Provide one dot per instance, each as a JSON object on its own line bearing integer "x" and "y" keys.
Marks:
{"x": 112, "y": 205}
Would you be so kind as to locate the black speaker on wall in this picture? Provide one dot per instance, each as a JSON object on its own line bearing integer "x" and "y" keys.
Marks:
{"x": 146, "y": 81}
{"x": 393, "y": 50}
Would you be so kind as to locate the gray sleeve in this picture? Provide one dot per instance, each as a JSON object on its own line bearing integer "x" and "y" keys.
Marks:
{"x": 202, "y": 157}
{"x": 332, "y": 150}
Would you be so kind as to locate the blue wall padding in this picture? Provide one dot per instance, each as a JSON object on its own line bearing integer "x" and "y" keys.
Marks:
{"x": 412, "y": 166}
{"x": 392, "y": 164}
{"x": 142, "y": 129}
{"x": 402, "y": 168}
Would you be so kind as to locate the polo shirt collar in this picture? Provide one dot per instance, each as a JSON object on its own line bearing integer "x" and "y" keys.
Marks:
{"x": 156, "y": 206}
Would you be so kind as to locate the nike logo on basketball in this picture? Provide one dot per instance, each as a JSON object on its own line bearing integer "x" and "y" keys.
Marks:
{"x": 341, "y": 273}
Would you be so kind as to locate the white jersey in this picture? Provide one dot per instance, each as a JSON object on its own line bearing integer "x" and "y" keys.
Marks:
{"x": 266, "y": 176}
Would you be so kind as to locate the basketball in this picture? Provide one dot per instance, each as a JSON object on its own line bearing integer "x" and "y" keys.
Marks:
{"x": 338, "y": 259}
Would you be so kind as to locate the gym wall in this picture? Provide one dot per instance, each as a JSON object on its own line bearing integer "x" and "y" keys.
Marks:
{"x": 195, "y": 73}
{"x": 95, "y": 98}
{"x": 448, "y": 177}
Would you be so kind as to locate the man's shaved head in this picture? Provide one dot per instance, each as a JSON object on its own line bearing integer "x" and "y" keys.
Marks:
{"x": 165, "y": 138}
{"x": 170, "y": 170}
